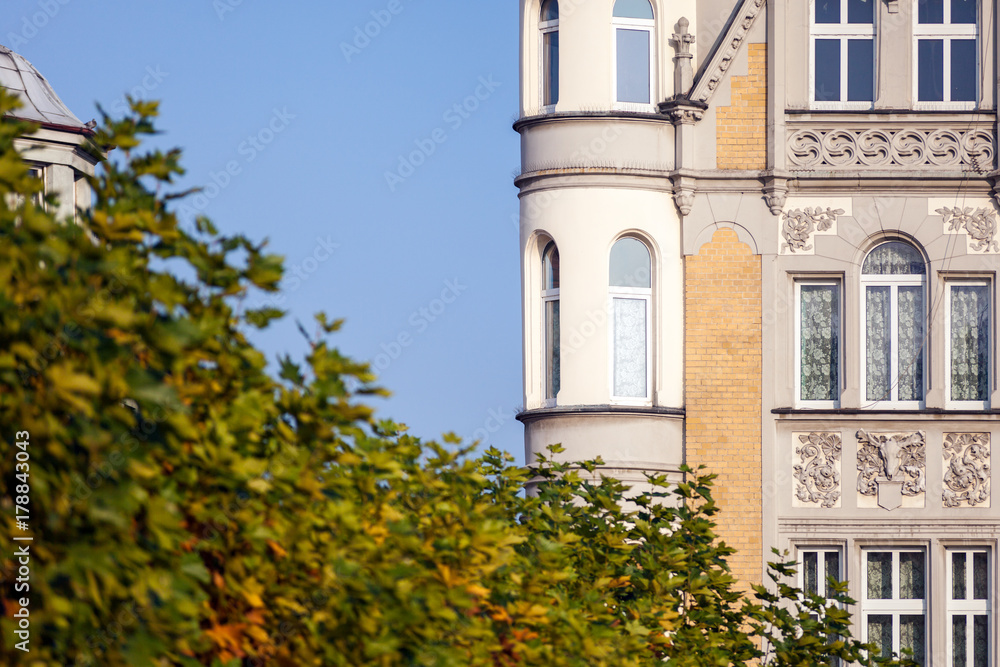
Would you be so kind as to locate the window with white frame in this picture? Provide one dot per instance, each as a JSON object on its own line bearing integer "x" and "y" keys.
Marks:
{"x": 842, "y": 40}
{"x": 549, "y": 29}
{"x": 969, "y": 610}
{"x": 550, "y": 307}
{"x": 945, "y": 53}
{"x": 630, "y": 289}
{"x": 817, "y": 352}
{"x": 634, "y": 30}
{"x": 893, "y": 283}
{"x": 968, "y": 323}
{"x": 817, "y": 566}
{"x": 894, "y": 604}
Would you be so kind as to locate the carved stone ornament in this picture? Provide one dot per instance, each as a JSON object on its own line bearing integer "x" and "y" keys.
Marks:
{"x": 685, "y": 115}
{"x": 684, "y": 199}
{"x": 865, "y": 147}
{"x": 683, "y": 70}
{"x": 966, "y": 469}
{"x": 818, "y": 475}
{"x": 892, "y": 457}
{"x": 980, "y": 225}
{"x": 729, "y": 46}
{"x": 799, "y": 225}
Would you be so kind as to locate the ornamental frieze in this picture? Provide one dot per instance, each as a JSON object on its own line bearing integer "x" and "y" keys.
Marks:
{"x": 800, "y": 225}
{"x": 818, "y": 475}
{"x": 869, "y": 148}
{"x": 966, "y": 470}
{"x": 891, "y": 469}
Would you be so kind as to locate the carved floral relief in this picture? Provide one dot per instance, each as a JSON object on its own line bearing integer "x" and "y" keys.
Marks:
{"x": 818, "y": 473}
{"x": 966, "y": 470}
{"x": 800, "y": 225}
{"x": 889, "y": 460}
{"x": 979, "y": 225}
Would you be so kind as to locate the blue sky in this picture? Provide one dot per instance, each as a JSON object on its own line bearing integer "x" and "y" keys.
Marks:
{"x": 370, "y": 141}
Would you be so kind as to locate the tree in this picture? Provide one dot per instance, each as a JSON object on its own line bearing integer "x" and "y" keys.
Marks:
{"x": 188, "y": 508}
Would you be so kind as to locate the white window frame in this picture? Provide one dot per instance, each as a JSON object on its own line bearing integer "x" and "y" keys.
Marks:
{"x": 637, "y": 294}
{"x": 648, "y": 26}
{"x": 895, "y": 607}
{"x": 545, "y": 28}
{"x": 799, "y": 402}
{"x": 976, "y": 282}
{"x": 893, "y": 283}
{"x": 548, "y": 296}
{"x": 821, "y": 555}
{"x": 968, "y": 607}
{"x": 946, "y": 32}
{"x": 843, "y": 32}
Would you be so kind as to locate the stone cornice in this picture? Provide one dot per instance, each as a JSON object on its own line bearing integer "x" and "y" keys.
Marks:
{"x": 709, "y": 78}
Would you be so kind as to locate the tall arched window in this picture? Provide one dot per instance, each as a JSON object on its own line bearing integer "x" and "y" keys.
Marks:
{"x": 634, "y": 52}
{"x": 549, "y": 27}
{"x": 894, "y": 280}
{"x": 550, "y": 304}
{"x": 630, "y": 288}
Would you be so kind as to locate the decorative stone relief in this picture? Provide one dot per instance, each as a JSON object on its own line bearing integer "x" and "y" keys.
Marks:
{"x": 799, "y": 225}
{"x": 863, "y": 148}
{"x": 818, "y": 476}
{"x": 729, "y": 47}
{"x": 979, "y": 225}
{"x": 966, "y": 470}
{"x": 891, "y": 469}
{"x": 683, "y": 71}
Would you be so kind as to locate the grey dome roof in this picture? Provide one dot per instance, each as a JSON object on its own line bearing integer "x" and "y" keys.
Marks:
{"x": 41, "y": 103}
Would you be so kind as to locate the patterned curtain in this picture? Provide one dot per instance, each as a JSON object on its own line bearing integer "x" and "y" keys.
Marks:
{"x": 911, "y": 343}
{"x": 879, "y": 576}
{"x": 820, "y": 344}
{"x": 912, "y": 631}
{"x": 878, "y": 343}
{"x": 970, "y": 339}
{"x": 894, "y": 259}
{"x": 630, "y": 348}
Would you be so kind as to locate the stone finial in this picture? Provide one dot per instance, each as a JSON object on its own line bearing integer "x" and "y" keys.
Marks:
{"x": 683, "y": 69}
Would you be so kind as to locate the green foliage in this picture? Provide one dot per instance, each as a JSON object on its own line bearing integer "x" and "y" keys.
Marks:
{"x": 189, "y": 509}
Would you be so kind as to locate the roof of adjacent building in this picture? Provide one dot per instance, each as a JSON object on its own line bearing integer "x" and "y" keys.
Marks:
{"x": 41, "y": 103}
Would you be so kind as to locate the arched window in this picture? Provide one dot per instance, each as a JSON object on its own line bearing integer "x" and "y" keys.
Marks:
{"x": 549, "y": 27}
{"x": 634, "y": 52}
{"x": 894, "y": 280}
{"x": 630, "y": 288}
{"x": 550, "y": 304}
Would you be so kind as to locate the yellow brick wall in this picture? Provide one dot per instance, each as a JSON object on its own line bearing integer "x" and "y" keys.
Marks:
{"x": 741, "y": 129}
{"x": 723, "y": 388}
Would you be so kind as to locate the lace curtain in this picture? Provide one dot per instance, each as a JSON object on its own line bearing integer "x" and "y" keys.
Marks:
{"x": 820, "y": 345}
{"x": 970, "y": 336}
{"x": 911, "y": 343}
{"x": 878, "y": 343}
{"x": 630, "y": 348}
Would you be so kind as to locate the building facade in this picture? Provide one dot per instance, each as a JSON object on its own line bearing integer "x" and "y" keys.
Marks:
{"x": 58, "y": 150}
{"x": 761, "y": 236}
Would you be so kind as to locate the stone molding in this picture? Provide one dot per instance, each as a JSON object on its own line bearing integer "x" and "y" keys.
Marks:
{"x": 870, "y": 148}
{"x": 966, "y": 470}
{"x": 818, "y": 476}
{"x": 729, "y": 46}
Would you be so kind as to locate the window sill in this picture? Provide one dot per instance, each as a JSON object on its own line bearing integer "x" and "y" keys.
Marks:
{"x": 801, "y": 412}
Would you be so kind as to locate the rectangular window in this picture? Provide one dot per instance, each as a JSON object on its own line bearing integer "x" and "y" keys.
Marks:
{"x": 552, "y": 361}
{"x": 969, "y": 324}
{"x": 816, "y": 568}
{"x": 550, "y": 67}
{"x": 631, "y": 347}
{"x": 894, "y": 602}
{"x": 945, "y": 49}
{"x": 969, "y": 610}
{"x": 817, "y": 353}
{"x": 633, "y": 65}
{"x": 843, "y": 53}
{"x": 894, "y": 342}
